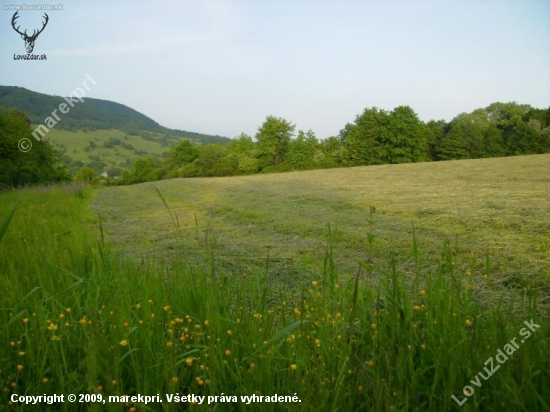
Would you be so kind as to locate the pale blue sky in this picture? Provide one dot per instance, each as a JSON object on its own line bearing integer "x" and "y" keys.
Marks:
{"x": 222, "y": 66}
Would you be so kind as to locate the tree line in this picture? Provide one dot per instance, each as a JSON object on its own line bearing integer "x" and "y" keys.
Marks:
{"x": 375, "y": 137}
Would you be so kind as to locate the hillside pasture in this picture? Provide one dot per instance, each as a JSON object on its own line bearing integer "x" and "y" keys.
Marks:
{"x": 76, "y": 146}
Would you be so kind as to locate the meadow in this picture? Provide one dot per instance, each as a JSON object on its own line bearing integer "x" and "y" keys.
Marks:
{"x": 492, "y": 213}
{"x": 75, "y": 145}
{"x": 383, "y": 288}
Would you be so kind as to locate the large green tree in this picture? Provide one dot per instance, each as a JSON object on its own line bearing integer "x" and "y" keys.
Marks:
{"x": 402, "y": 138}
{"x": 244, "y": 150}
{"x": 274, "y": 139}
{"x": 184, "y": 152}
{"x": 18, "y": 167}
{"x": 143, "y": 170}
{"x": 304, "y": 152}
{"x": 179, "y": 159}
{"x": 434, "y": 132}
{"x": 521, "y": 138}
{"x": 524, "y": 129}
{"x": 213, "y": 160}
{"x": 332, "y": 150}
{"x": 361, "y": 140}
{"x": 471, "y": 136}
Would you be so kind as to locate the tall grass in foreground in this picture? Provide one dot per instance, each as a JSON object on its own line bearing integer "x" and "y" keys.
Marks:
{"x": 76, "y": 318}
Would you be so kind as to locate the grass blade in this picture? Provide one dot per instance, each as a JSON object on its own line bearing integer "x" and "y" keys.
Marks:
{"x": 6, "y": 222}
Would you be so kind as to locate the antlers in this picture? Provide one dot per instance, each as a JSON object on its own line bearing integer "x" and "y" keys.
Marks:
{"x": 34, "y": 34}
{"x": 15, "y": 16}
{"x": 43, "y": 26}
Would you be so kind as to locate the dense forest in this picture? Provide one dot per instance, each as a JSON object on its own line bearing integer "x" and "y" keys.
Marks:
{"x": 375, "y": 137}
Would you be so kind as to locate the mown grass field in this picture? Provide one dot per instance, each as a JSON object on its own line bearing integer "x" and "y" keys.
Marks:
{"x": 236, "y": 286}
{"x": 493, "y": 212}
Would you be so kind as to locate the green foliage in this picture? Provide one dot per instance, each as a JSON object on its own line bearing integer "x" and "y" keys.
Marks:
{"x": 91, "y": 145}
{"x": 248, "y": 164}
{"x": 85, "y": 174}
{"x": 361, "y": 144}
{"x": 185, "y": 152}
{"x": 379, "y": 137}
{"x": 212, "y": 161}
{"x": 332, "y": 151}
{"x": 433, "y": 135}
{"x": 402, "y": 141}
{"x": 305, "y": 152}
{"x": 241, "y": 145}
{"x": 112, "y": 142}
{"x": 37, "y": 166}
{"x": 244, "y": 150}
{"x": 453, "y": 145}
{"x": 521, "y": 138}
{"x": 143, "y": 170}
{"x": 274, "y": 139}
{"x": 501, "y": 129}
{"x": 114, "y": 171}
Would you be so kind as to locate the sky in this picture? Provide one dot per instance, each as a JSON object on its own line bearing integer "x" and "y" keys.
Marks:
{"x": 222, "y": 66}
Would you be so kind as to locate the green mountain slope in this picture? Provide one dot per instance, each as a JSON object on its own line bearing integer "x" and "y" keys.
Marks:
{"x": 103, "y": 135}
{"x": 96, "y": 114}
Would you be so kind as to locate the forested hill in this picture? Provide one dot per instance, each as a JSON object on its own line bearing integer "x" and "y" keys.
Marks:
{"x": 96, "y": 114}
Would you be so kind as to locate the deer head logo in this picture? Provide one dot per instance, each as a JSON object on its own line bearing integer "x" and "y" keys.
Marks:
{"x": 29, "y": 40}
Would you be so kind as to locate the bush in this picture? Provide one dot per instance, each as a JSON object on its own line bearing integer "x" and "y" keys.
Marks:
{"x": 85, "y": 175}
